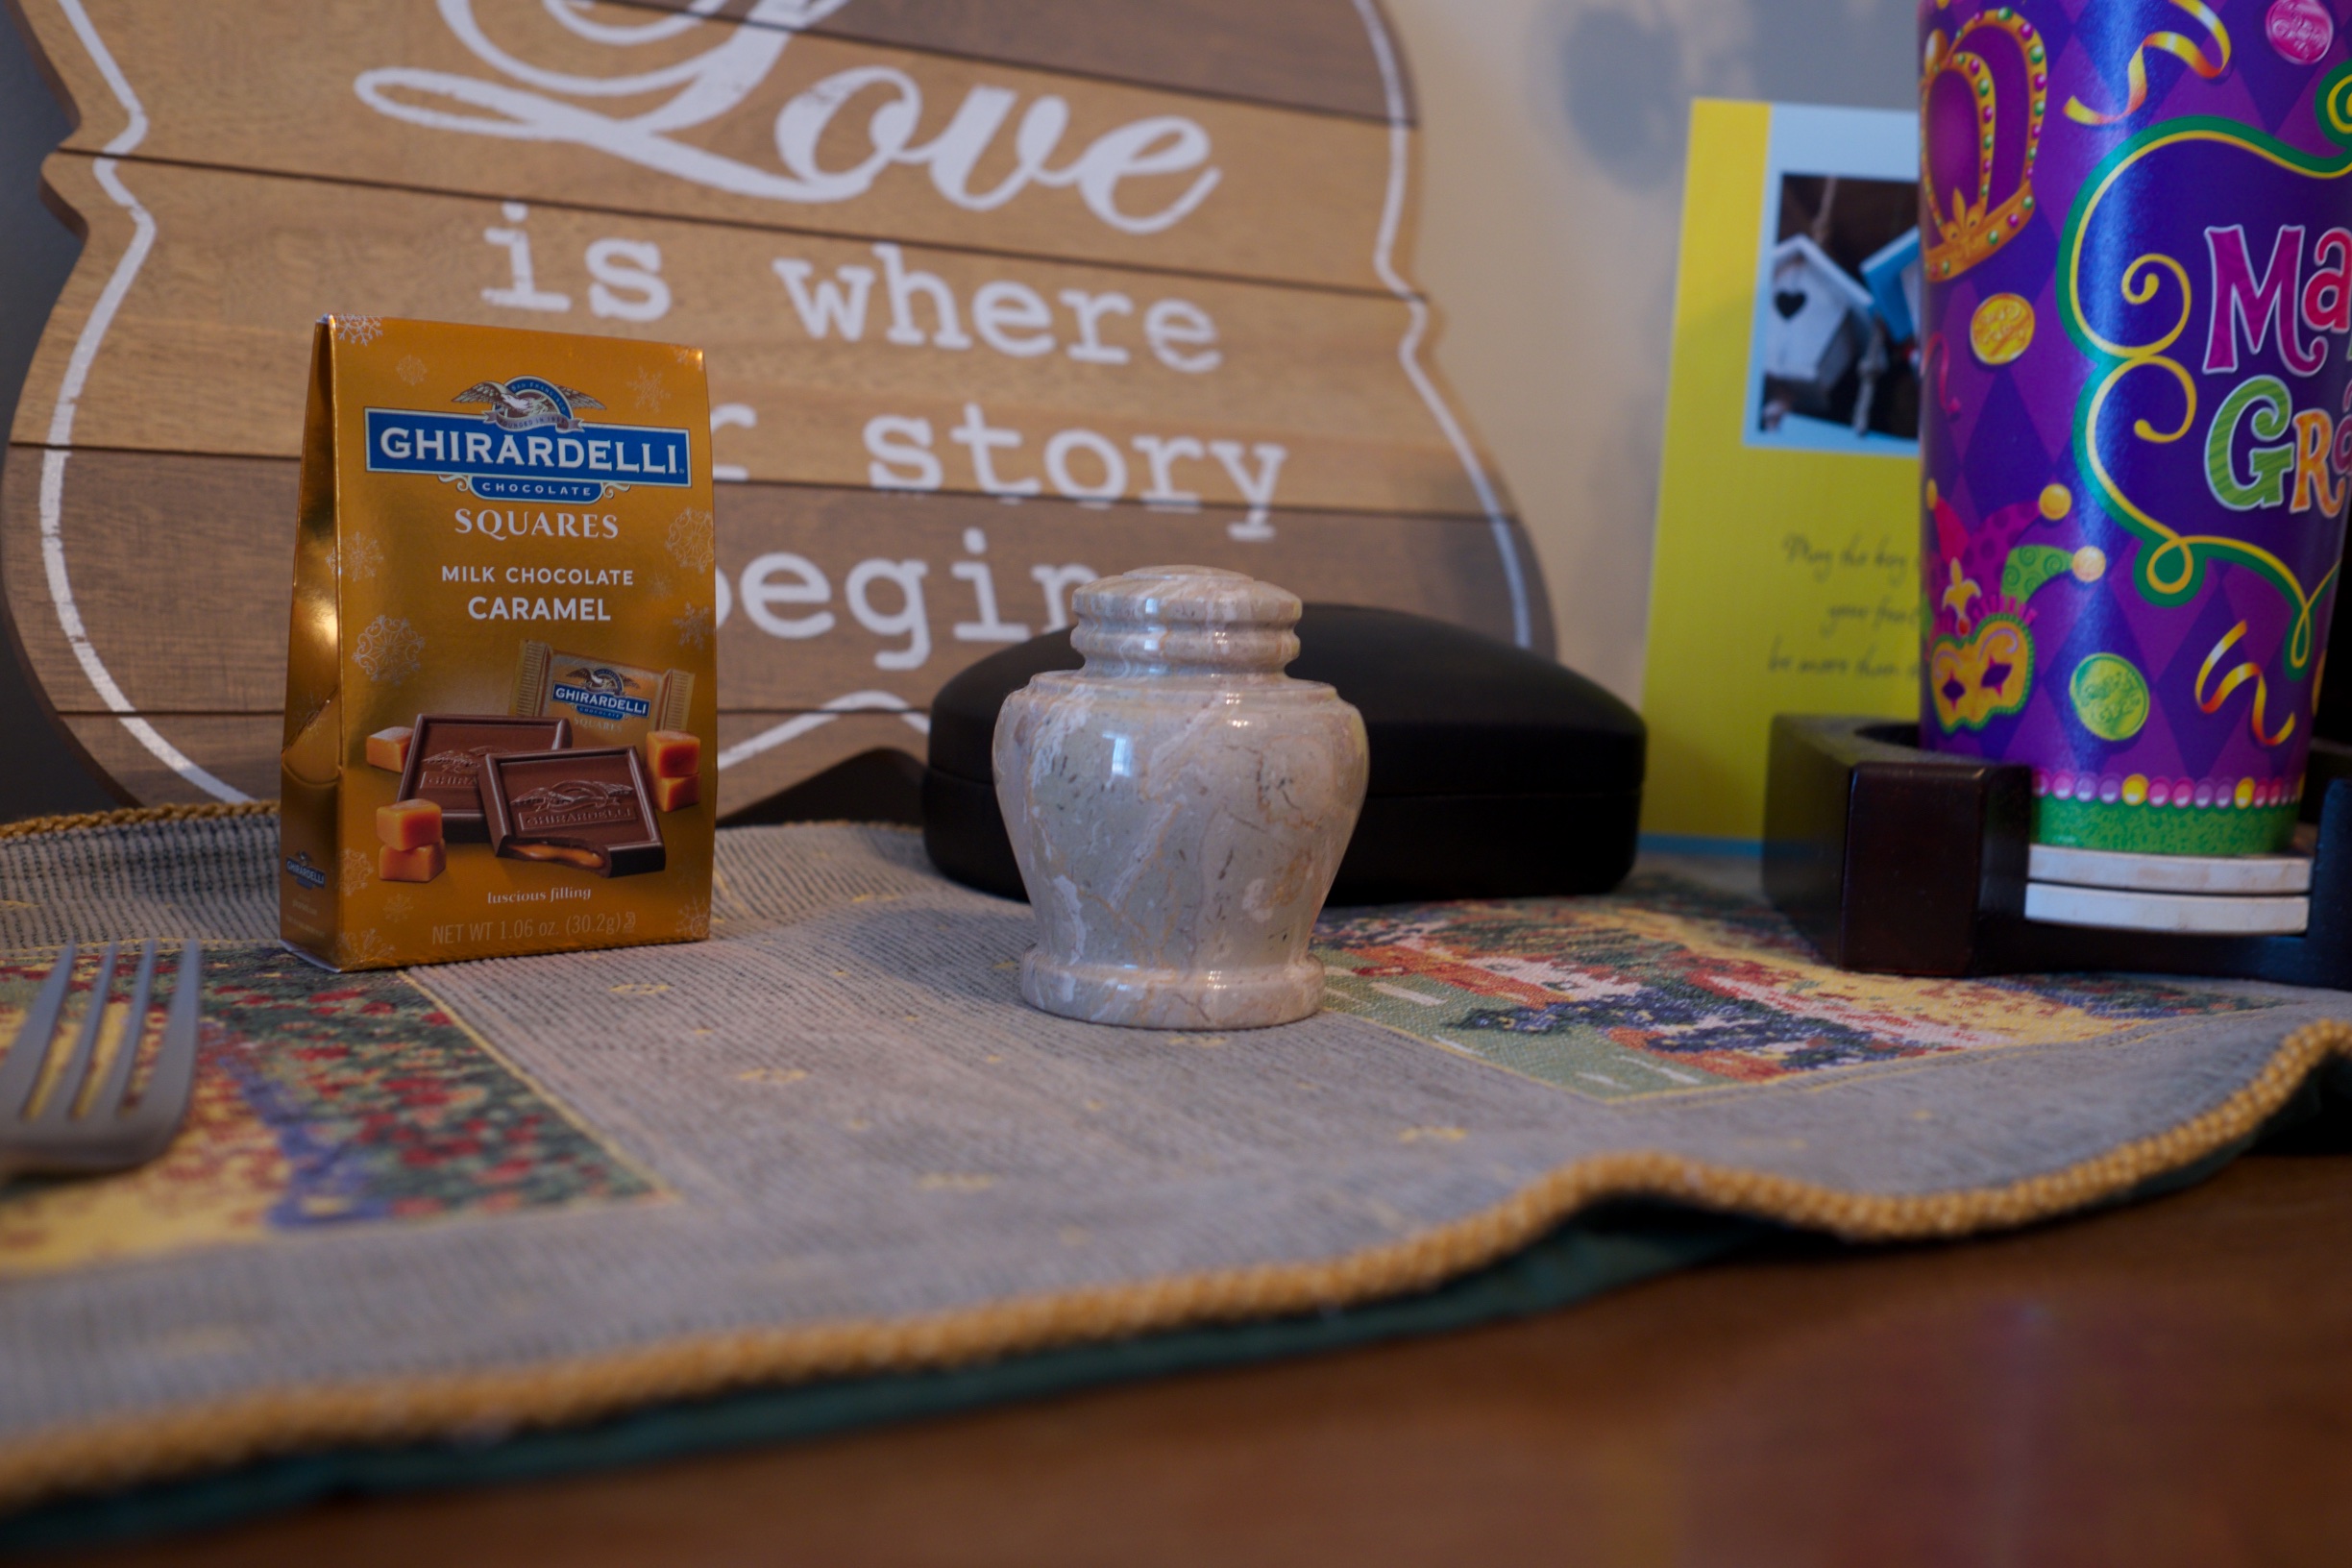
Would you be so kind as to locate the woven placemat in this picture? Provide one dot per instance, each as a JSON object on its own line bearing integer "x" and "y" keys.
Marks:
{"x": 524, "y": 1195}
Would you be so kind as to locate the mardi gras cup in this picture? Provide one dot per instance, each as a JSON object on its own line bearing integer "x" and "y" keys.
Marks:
{"x": 2136, "y": 357}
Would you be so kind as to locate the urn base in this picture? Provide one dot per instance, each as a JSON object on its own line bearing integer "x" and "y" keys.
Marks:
{"x": 1141, "y": 999}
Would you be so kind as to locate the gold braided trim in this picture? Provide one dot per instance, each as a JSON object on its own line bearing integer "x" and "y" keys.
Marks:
{"x": 126, "y": 1450}
{"x": 132, "y": 816}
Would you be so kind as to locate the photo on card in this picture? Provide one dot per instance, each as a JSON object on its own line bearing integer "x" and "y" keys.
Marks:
{"x": 1834, "y": 362}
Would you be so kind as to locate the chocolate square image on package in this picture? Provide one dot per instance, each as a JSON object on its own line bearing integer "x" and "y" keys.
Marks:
{"x": 588, "y": 809}
{"x": 501, "y": 712}
{"x": 446, "y": 752}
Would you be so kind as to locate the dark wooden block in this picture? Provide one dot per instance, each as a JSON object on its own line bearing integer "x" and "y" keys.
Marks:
{"x": 1899, "y": 860}
{"x": 1886, "y": 856}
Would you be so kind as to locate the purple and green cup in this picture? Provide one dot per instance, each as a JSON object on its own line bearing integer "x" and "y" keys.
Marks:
{"x": 2136, "y": 428}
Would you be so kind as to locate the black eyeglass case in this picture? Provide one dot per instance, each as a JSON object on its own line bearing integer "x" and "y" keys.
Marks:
{"x": 1495, "y": 771}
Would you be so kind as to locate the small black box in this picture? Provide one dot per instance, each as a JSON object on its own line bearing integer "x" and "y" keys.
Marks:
{"x": 1495, "y": 772}
{"x": 1896, "y": 860}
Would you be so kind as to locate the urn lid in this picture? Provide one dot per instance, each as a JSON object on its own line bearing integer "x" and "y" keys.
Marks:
{"x": 1187, "y": 594}
{"x": 1184, "y": 620}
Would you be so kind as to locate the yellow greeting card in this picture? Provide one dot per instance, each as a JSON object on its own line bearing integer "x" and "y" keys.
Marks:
{"x": 1785, "y": 578}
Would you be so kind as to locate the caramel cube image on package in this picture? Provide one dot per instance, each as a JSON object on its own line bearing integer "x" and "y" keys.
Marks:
{"x": 504, "y": 574}
{"x": 673, "y": 753}
{"x": 419, "y": 865}
{"x": 388, "y": 749}
{"x": 408, "y": 825}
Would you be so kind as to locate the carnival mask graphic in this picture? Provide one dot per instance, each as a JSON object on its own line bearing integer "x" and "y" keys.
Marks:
{"x": 1980, "y": 657}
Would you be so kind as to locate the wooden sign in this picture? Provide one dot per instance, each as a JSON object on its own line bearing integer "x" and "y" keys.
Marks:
{"x": 997, "y": 297}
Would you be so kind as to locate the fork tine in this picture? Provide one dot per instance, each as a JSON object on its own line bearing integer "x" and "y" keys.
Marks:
{"x": 165, "y": 1100}
{"x": 109, "y": 1096}
{"x": 20, "y": 1068}
{"x": 69, "y": 1090}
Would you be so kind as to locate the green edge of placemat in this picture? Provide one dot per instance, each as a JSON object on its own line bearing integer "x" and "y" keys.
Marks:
{"x": 1611, "y": 1246}
{"x": 1618, "y": 1245}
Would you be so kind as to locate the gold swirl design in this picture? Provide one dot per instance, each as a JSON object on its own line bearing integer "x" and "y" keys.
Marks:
{"x": 2238, "y": 676}
{"x": 2139, "y": 286}
{"x": 2137, "y": 292}
{"x": 2180, "y": 47}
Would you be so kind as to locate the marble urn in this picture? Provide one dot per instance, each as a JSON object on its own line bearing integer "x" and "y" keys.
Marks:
{"x": 1179, "y": 806}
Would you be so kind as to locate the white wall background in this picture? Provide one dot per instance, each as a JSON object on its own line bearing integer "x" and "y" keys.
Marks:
{"x": 1551, "y": 202}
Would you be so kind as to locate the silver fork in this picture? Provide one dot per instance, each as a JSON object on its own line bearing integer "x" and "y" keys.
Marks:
{"x": 109, "y": 1136}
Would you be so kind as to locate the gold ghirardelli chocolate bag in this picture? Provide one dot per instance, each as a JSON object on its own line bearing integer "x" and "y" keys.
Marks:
{"x": 500, "y": 707}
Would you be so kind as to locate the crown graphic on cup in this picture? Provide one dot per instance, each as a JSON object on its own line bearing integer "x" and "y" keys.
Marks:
{"x": 1981, "y": 103}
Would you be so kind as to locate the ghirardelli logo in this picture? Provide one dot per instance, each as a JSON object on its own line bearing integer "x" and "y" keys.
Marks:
{"x": 601, "y": 679}
{"x": 528, "y": 102}
{"x": 529, "y": 444}
{"x": 575, "y": 803}
{"x": 599, "y": 690}
{"x": 454, "y": 769}
{"x": 526, "y": 402}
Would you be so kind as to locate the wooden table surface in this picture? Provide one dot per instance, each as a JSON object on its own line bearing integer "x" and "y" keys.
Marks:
{"x": 2166, "y": 1383}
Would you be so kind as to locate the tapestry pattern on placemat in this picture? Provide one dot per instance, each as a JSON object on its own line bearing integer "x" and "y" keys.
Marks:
{"x": 1669, "y": 986}
{"x": 319, "y": 1100}
{"x": 872, "y": 1157}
